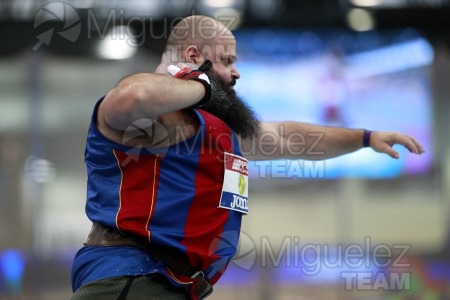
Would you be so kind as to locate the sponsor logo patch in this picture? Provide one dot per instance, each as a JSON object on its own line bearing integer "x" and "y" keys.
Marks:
{"x": 235, "y": 184}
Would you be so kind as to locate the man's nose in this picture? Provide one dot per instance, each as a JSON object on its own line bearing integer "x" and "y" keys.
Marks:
{"x": 235, "y": 73}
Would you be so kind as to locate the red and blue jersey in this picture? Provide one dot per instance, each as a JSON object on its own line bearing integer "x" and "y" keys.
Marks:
{"x": 169, "y": 197}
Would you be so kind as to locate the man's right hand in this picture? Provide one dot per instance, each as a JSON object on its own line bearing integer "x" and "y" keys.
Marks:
{"x": 183, "y": 71}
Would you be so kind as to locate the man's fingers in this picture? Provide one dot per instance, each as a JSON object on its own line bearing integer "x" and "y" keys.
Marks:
{"x": 182, "y": 66}
{"x": 412, "y": 145}
{"x": 390, "y": 151}
{"x": 409, "y": 144}
{"x": 418, "y": 146}
{"x": 383, "y": 142}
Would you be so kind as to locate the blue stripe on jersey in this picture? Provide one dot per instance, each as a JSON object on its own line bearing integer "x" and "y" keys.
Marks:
{"x": 96, "y": 263}
{"x": 170, "y": 229}
{"x": 230, "y": 236}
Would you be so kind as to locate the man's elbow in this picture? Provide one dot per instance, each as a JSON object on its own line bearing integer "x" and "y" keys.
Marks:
{"x": 120, "y": 107}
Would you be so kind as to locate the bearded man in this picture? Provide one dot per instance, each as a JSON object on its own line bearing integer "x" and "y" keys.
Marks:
{"x": 167, "y": 178}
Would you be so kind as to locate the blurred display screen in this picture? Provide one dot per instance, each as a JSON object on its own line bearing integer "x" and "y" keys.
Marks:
{"x": 374, "y": 80}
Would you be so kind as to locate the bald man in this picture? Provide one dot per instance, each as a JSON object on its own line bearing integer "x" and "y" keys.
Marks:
{"x": 166, "y": 156}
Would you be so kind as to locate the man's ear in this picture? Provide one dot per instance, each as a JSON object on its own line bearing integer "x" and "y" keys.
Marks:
{"x": 192, "y": 55}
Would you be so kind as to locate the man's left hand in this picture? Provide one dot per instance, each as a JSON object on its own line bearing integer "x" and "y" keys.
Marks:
{"x": 382, "y": 142}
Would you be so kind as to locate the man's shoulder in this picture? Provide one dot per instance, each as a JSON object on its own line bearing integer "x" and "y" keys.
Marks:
{"x": 99, "y": 122}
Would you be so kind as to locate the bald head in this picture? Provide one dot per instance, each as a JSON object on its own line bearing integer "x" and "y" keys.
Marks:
{"x": 202, "y": 32}
{"x": 198, "y": 38}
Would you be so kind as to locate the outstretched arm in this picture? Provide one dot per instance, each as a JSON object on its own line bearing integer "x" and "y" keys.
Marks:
{"x": 294, "y": 140}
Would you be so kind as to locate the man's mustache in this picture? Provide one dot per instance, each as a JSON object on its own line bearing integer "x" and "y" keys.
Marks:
{"x": 229, "y": 84}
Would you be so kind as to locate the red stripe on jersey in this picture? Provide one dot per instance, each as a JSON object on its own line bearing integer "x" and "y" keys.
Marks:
{"x": 138, "y": 191}
{"x": 205, "y": 221}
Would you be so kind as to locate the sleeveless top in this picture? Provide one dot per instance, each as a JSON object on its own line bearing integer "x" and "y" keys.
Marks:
{"x": 170, "y": 196}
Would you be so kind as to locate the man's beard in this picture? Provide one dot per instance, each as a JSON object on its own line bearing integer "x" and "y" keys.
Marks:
{"x": 230, "y": 108}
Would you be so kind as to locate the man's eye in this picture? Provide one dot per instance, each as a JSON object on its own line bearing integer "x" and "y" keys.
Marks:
{"x": 227, "y": 60}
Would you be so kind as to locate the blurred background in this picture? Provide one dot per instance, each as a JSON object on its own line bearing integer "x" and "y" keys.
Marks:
{"x": 362, "y": 226}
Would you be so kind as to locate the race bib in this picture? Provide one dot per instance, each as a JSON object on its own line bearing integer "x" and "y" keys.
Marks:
{"x": 235, "y": 184}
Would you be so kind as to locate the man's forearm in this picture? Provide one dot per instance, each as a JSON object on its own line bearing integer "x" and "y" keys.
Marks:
{"x": 323, "y": 142}
{"x": 149, "y": 95}
{"x": 296, "y": 140}
{"x": 315, "y": 142}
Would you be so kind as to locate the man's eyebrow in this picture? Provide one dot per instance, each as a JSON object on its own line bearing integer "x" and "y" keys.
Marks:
{"x": 231, "y": 57}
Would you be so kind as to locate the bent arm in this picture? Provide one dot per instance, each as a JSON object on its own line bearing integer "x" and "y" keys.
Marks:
{"x": 148, "y": 95}
{"x": 295, "y": 140}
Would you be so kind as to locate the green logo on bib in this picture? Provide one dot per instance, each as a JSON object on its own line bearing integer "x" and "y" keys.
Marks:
{"x": 241, "y": 184}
